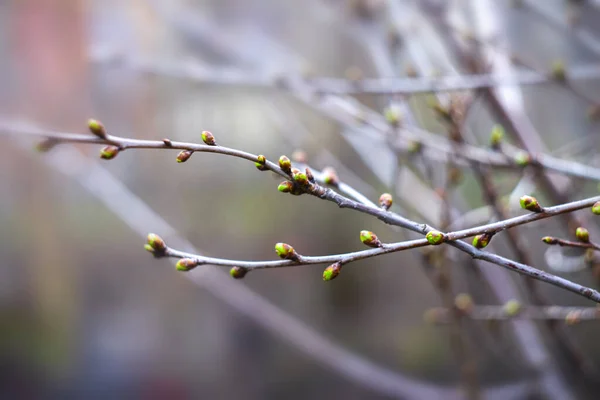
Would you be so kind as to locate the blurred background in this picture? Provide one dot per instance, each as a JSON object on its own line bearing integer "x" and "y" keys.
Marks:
{"x": 85, "y": 312}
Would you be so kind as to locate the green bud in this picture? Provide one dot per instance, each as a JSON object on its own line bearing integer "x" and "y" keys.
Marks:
{"x": 512, "y": 308}
{"x": 530, "y": 203}
{"x": 184, "y": 155}
{"x": 109, "y": 152}
{"x": 522, "y": 159}
{"x": 582, "y": 234}
{"x": 573, "y": 317}
{"x": 46, "y": 145}
{"x": 332, "y": 271}
{"x": 497, "y": 136}
{"x": 385, "y": 201}
{"x": 481, "y": 241}
{"x": 208, "y": 138}
{"x": 549, "y": 240}
{"x": 285, "y": 187}
{"x": 260, "y": 162}
{"x": 285, "y": 164}
{"x": 392, "y": 115}
{"x": 97, "y": 128}
{"x": 238, "y": 272}
{"x": 299, "y": 177}
{"x": 285, "y": 251}
{"x": 186, "y": 264}
{"x": 156, "y": 242}
{"x": 464, "y": 303}
{"x": 330, "y": 176}
{"x": 149, "y": 248}
{"x": 596, "y": 208}
{"x": 369, "y": 239}
{"x": 559, "y": 71}
{"x": 435, "y": 237}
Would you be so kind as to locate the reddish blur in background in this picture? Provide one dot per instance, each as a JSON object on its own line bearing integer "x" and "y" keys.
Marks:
{"x": 86, "y": 313}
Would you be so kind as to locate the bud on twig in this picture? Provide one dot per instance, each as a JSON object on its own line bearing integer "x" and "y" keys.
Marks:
{"x": 392, "y": 115}
{"x": 573, "y": 317}
{"x": 531, "y": 204}
{"x": 184, "y": 155}
{"x": 512, "y": 308}
{"x": 481, "y": 241}
{"x": 285, "y": 187}
{"x": 97, "y": 128}
{"x": 238, "y": 272}
{"x": 109, "y": 152}
{"x": 186, "y": 264}
{"x": 435, "y": 237}
{"x": 522, "y": 158}
{"x": 549, "y": 240}
{"x": 285, "y": 164}
{"x": 156, "y": 243}
{"x": 370, "y": 239}
{"x": 309, "y": 175}
{"x": 464, "y": 303}
{"x": 299, "y": 177}
{"x": 260, "y": 162}
{"x": 582, "y": 234}
{"x": 285, "y": 251}
{"x": 330, "y": 176}
{"x": 559, "y": 71}
{"x": 46, "y": 145}
{"x": 385, "y": 201}
{"x": 497, "y": 136}
{"x": 208, "y": 138}
{"x": 332, "y": 271}
{"x": 596, "y": 208}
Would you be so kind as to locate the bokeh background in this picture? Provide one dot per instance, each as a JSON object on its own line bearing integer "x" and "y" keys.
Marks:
{"x": 86, "y": 313}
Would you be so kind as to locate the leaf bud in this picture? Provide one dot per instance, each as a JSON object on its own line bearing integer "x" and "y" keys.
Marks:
{"x": 596, "y": 208}
{"x": 330, "y": 176}
{"x": 156, "y": 242}
{"x": 512, "y": 308}
{"x": 285, "y": 164}
{"x": 497, "y": 136}
{"x": 260, "y": 162}
{"x": 385, "y": 201}
{"x": 549, "y": 240}
{"x": 285, "y": 187}
{"x": 332, "y": 271}
{"x": 238, "y": 272}
{"x": 184, "y": 155}
{"x": 97, "y": 128}
{"x": 299, "y": 177}
{"x": 109, "y": 152}
{"x": 464, "y": 303}
{"x": 481, "y": 241}
{"x": 582, "y": 234}
{"x": 530, "y": 203}
{"x": 208, "y": 138}
{"x": 186, "y": 264}
{"x": 370, "y": 239}
{"x": 435, "y": 237}
{"x": 285, "y": 251}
